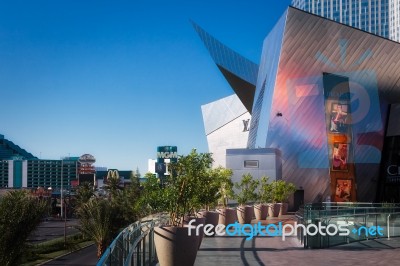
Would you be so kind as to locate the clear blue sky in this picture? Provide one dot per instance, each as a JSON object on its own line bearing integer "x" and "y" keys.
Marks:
{"x": 116, "y": 79}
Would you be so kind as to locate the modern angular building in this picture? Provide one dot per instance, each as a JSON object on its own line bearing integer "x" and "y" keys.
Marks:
{"x": 380, "y": 17}
{"x": 326, "y": 101}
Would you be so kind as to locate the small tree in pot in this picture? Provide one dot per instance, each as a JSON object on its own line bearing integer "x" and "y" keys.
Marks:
{"x": 245, "y": 194}
{"x": 207, "y": 196}
{"x": 283, "y": 190}
{"x": 273, "y": 206}
{"x": 176, "y": 244}
{"x": 264, "y": 196}
{"x": 226, "y": 215}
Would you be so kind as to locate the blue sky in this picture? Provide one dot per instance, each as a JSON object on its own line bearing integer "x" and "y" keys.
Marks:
{"x": 116, "y": 79}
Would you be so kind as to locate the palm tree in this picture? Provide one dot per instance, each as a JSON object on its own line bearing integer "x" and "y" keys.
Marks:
{"x": 96, "y": 218}
{"x": 84, "y": 193}
{"x": 20, "y": 214}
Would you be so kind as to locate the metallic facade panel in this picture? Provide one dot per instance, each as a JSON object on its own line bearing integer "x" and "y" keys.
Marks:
{"x": 240, "y": 72}
{"x": 219, "y": 113}
{"x": 292, "y": 114}
{"x": 227, "y": 58}
{"x": 244, "y": 90}
{"x": 266, "y": 84}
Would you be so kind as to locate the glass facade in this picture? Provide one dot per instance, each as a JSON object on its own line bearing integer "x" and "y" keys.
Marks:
{"x": 389, "y": 183}
{"x": 362, "y": 221}
{"x": 380, "y": 17}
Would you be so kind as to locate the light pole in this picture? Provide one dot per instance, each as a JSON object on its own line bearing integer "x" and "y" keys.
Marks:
{"x": 65, "y": 225}
{"x": 62, "y": 181}
{"x": 49, "y": 198}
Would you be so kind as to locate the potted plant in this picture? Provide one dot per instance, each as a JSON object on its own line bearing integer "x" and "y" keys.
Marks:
{"x": 273, "y": 206}
{"x": 282, "y": 191}
{"x": 207, "y": 196}
{"x": 245, "y": 194}
{"x": 152, "y": 195}
{"x": 175, "y": 243}
{"x": 264, "y": 197}
{"x": 226, "y": 215}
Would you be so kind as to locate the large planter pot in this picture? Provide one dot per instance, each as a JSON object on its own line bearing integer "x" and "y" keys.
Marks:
{"x": 245, "y": 214}
{"x": 227, "y": 216}
{"x": 261, "y": 211}
{"x": 198, "y": 220}
{"x": 211, "y": 218}
{"x": 283, "y": 208}
{"x": 174, "y": 246}
{"x": 273, "y": 209}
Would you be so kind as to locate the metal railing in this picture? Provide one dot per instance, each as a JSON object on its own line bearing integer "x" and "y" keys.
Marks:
{"x": 133, "y": 246}
{"x": 357, "y": 218}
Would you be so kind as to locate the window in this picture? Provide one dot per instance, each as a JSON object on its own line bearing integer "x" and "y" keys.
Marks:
{"x": 251, "y": 164}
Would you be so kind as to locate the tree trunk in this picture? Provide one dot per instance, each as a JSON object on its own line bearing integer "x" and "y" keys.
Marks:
{"x": 100, "y": 250}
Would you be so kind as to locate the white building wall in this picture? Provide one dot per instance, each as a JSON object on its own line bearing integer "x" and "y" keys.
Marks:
{"x": 10, "y": 173}
{"x": 267, "y": 165}
{"x": 230, "y": 136}
{"x": 24, "y": 173}
{"x": 226, "y": 124}
{"x": 151, "y": 166}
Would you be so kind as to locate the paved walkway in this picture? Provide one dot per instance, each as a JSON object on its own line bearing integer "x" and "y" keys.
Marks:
{"x": 234, "y": 251}
{"x": 273, "y": 251}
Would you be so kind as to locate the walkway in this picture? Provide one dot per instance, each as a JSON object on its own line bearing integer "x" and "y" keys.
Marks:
{"x": 235, "y": 251}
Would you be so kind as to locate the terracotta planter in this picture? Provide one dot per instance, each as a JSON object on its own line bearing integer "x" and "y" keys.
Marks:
{"x": 174, "y": 246}
{"x": 283, "y": 208}
{"x": 227, "y": 216}
{"x": 211, "y": 218}
{"x": 244, "y": 214}
{"x": 273, "y": 209}
{"x": 261, "y": 211}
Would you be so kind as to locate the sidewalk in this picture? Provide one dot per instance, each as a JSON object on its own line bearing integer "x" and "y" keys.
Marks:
{"x": 235, "y": 251}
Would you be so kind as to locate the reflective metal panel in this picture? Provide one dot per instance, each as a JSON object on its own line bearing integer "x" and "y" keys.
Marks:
{"x": 266, "y": 85}
{"x": 227, "y": 58}
{"x": 293, "y": 106}
{"x": 240, "y": 72}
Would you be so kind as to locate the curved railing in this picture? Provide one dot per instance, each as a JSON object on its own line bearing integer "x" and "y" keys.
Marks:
{"x": 358, "y": 218}
{"x": 133, "y": 246}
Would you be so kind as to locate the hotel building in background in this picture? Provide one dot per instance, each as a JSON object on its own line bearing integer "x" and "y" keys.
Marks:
{"x": 380, "y": 17}
{"x": 21, "y": 169}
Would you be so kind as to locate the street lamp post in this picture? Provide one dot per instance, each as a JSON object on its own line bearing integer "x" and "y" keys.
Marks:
{"x": 62, "y": 181}
{"x": 65, "y": 224}
{"x": 49, "y": 189}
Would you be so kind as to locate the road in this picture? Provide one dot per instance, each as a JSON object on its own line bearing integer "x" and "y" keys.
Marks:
{"x": 52, "y": 229}
{"x": 83, "y": 257}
